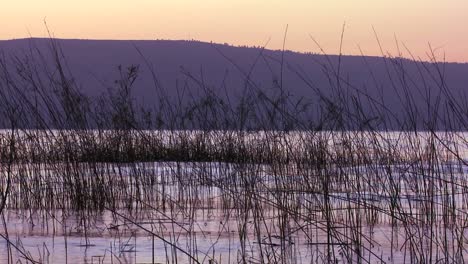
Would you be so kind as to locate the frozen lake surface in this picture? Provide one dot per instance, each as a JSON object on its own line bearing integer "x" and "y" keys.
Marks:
{"x": 352, "y": 206}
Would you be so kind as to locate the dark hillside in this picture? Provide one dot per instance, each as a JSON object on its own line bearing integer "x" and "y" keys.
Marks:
{"x": 182, "y": 72}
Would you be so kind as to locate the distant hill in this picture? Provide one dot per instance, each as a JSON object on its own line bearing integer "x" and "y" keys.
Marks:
{"x": 185, "y": 69}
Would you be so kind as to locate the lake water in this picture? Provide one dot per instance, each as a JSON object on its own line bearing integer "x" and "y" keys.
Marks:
{"x": 224, "y": 212}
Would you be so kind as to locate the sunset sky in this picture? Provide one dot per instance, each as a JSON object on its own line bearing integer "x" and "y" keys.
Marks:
{"x": 442, "y": 23}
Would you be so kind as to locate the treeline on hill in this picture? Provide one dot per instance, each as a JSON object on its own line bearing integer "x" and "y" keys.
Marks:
{"x": 39, "y": 90}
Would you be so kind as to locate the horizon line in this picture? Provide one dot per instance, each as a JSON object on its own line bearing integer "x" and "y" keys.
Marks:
{"x": 390, "y": 56}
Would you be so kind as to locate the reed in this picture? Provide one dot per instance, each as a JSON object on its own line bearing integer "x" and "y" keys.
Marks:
{"x": 257, "y": 177}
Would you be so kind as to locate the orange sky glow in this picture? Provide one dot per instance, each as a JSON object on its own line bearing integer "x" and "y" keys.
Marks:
{"x": 414, "y": 24}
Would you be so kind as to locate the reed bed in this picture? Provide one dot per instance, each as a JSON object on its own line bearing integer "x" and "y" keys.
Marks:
{"x": 214, "y": 189}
